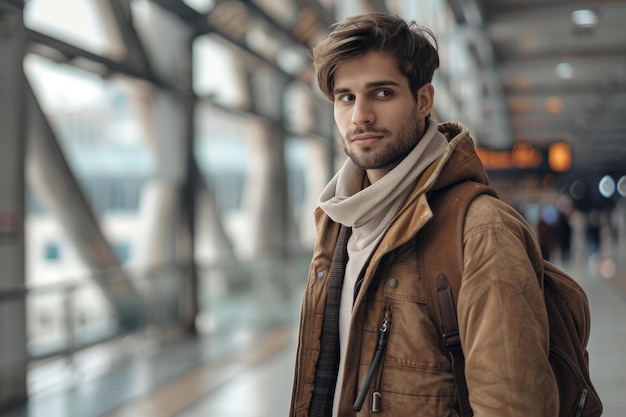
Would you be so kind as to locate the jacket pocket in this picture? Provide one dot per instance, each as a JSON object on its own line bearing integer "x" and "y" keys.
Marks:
{"x": 415, "y": 375}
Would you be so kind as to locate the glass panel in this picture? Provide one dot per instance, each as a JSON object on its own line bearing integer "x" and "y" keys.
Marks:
{"x": 218, "y": 74}
{"x": 296, "y": 160}
{"x": 222, "y": 155}
{"x": 88, "y": 24}
{"x": 103, "y": 131}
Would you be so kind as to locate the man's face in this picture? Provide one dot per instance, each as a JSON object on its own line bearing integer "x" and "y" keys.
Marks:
{"x": 380, "y": 121}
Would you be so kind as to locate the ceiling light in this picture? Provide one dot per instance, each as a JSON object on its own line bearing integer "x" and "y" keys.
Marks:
{"x": 606, "y": 186}
{"x": 584, "y": 18}
{"x": 621, "y": 186}
{"x": 577, "y": 190}
{"x": 203, "y": 6}
{"x": 564, "y": 70}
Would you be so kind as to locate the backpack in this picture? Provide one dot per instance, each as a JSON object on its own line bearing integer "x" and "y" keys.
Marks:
{"x": 566, "y": 303}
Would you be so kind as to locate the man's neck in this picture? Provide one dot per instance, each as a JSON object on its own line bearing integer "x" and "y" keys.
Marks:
{"x": 375, "y": 174}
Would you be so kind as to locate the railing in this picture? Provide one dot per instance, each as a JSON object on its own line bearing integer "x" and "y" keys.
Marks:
{"x": 65, "y": 319}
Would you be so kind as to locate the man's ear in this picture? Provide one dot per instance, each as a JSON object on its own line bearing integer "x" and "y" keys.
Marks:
{"x": 425, "y": 97}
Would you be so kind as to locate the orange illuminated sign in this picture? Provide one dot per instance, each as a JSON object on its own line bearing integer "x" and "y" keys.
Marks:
{"x": 558, "y": 157}
{"x": 522, "y": 155}
{"x": 495, "y": 159}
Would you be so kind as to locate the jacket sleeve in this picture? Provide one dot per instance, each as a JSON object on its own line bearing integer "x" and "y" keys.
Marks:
{"x": 502, "y": 316}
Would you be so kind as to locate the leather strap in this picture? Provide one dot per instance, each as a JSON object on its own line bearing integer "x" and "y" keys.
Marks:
{"x": 452, "y": 342}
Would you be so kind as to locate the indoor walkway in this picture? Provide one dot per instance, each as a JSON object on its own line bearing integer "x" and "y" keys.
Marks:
{"x": 248, "y": 372}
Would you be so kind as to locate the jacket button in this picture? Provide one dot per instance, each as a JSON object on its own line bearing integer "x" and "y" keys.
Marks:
{"x": 393, "y": 283}
{"x": 320, "y": 274}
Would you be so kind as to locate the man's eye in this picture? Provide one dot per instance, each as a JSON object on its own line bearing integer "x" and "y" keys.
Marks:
{"x": 346, "y": 98}
{"x": 383, "y": 93}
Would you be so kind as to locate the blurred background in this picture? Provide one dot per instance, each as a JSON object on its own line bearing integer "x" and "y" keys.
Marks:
{"x": 160, "y": 161}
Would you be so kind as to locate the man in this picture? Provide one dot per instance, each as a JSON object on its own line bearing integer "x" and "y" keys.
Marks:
{"x": 367, "y": 343}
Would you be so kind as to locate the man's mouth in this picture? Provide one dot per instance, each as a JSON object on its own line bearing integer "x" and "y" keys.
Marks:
{"x": 366, "y": 139}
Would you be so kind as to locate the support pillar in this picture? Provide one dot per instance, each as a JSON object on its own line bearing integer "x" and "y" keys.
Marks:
{"x": 266, "y": 192}
{"x": 169, "y": 214}
{"x": 267, "y": 199}
{"x": 13, "y": 357}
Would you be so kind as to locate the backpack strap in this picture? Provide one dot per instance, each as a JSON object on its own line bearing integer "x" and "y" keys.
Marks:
{"x": 451, "y": 341}
{"x": 440, "y": 259}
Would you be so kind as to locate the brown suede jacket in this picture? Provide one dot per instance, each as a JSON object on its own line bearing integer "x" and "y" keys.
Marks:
{"x": 502, "y": 317}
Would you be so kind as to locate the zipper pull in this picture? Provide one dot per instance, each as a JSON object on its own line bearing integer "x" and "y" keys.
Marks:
{"x": 376, "y": 397}
{"x": 581, "y": 403}
{"x": 382, "y": 340}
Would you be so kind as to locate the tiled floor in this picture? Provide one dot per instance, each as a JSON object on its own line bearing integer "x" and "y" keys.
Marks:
{"x": 249, "y": 372}
{"x": 607, "y": 345}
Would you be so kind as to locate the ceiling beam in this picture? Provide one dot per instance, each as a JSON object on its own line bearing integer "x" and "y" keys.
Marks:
{"x": 617, "y": 52}
{"x": 59, "y": 51}
{"x": 136, "y": 54}
{"x": 497, "y": 8}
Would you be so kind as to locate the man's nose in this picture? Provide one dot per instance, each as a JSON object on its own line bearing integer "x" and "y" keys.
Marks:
{"x": 362, "y": 112}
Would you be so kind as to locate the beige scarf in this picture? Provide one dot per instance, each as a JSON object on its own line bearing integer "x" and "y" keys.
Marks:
{"x": 370, "y": 211}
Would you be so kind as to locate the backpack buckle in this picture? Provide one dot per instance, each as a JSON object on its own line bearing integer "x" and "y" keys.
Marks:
{"x": 451, "y": 339}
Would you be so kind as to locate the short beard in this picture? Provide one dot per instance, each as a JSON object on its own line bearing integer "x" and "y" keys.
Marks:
{"x": 392, "y": 154}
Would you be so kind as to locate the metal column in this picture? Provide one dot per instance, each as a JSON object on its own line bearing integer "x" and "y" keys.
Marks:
{"x": 12, "y": 276}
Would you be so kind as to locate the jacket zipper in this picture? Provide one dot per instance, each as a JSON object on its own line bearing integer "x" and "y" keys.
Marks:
{"x": 383, "y": 335}
{"x": 378, "y": 387}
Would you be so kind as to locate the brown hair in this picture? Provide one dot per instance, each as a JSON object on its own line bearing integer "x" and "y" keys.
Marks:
{"x": 354, "y": 36}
